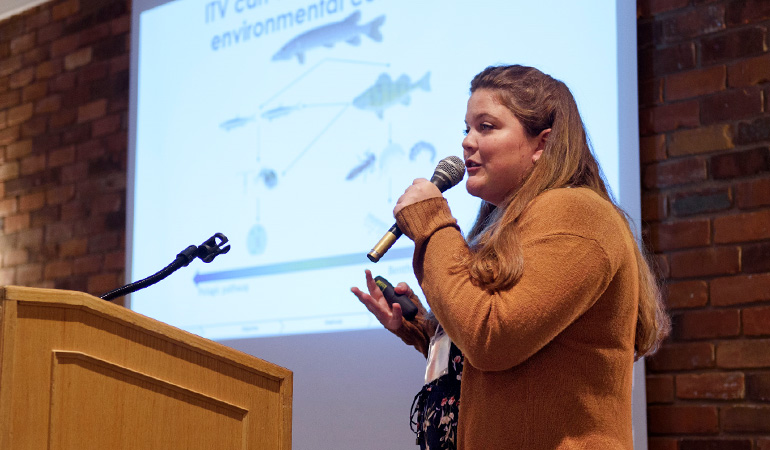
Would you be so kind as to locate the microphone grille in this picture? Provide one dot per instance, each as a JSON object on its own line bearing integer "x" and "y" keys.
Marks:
{"x": 453, "y": 169}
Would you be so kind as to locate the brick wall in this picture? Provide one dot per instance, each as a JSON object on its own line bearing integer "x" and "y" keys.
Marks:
{"x": 63, "y": 138}
{"x": 704, "y": 72}
{"x": 704, "y": 80}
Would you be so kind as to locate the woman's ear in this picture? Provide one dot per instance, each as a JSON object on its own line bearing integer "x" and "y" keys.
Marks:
{"x": 541, "y": 139}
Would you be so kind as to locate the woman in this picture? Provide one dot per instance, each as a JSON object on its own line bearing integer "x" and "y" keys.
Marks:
{"x": 549, "y": 299}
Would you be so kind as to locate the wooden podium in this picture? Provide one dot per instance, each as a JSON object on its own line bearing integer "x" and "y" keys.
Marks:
{"x": 77, "y": 372}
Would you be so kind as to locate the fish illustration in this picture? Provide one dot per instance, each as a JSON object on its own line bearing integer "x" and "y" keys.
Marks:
{"x": 386, "y": 93}
{"x": 235, "y": 122}
{"x": 281, "y": 111}
{"x": 346, "y": 30}
{"x": 422, "y": 147}
{"x": 367, "y": 163}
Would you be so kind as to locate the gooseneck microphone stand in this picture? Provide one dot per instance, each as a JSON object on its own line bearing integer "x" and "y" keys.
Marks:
{"x": 207, "y": 251}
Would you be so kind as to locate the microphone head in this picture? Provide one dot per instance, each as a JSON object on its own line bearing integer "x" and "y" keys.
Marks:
{"x": 448, "y": 173}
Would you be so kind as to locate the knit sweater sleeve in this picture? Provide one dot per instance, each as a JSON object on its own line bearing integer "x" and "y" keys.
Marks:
{"x": 565, "y": 272}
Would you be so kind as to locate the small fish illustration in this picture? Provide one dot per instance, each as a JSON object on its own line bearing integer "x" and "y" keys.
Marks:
{"x": 346, "y": 30}
{"x": 422, "y": 147}
{"x": 280, "y": 111}
{"x": 367, "y": 163}
{"x": 235, "y": 122}
{"x": 386, "y": 93}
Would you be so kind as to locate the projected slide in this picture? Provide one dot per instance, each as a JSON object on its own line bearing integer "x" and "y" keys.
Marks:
{"x": 292, "y": 127}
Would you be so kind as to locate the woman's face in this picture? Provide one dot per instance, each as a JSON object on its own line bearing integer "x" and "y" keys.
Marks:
{"x": 498, "y": 152}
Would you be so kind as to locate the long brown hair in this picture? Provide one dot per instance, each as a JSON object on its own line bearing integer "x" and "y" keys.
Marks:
{"x": 540, "y": 102}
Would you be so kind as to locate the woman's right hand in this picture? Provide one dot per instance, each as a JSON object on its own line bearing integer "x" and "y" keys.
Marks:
{"x": 389, "y": 316}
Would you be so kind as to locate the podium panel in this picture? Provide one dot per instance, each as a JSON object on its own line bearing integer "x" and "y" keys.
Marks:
{"x": 77, "y": 372}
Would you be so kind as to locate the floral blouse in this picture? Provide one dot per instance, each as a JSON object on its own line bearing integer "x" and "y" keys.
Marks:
{"x": 435, "y": 408}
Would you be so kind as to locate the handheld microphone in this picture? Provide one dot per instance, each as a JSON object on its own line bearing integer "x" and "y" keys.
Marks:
{"x": 448, "y": 173}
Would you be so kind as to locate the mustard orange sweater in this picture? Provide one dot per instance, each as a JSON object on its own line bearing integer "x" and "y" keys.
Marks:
{"x": 549, "y": 362}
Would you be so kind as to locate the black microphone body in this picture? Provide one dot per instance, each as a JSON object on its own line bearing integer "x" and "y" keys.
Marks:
{"x": 448, "y": 173}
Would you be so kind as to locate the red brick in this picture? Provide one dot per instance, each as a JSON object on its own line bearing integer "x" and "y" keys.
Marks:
{"x": 9, "y": 171}
{"x": 18, "y": 149}
{"x": 669, "y": 117}
{"x": 695, "y": 83}
{"x": 686, "y": 356}
{"x": 115, "y": 261}
{"x": 682, "y": 419}
{"x": 739, "y": 43}
{"x": 654, "y": 207}
{"x": 34, "y": 127}
{"x": 17, "y": 257}
{"x": 9, "y": 99}
{"x": 59, "y": 232}
{"x": 64, "y": 9}
{"x": 718, "y": 386}
{"x": 758, "y": 386}
{"x": 691, "y": 22}
{"x": 756, "y": 258}
{"x": 78, "y": 58}
{"x": 49, "y": 104}
{"x": 37, "y": 20}
{"x": 121, "y": 25}
{"x": 706, "y": 324}
{"x": 749, "y": 72}
{"x": 675, "y": 172}
{"x": 31, "y": 202}
{"x": 652, "y": 148}
{"x": 752, "y": 193}
{"x": 48, "y": 69}
{"x": 681, "y": 234}
{"x": 57, "y": 269}
{"x": 705, "y": 262}
{"x": 106, "y": 125}
{"x": 745, "y": 418}
{"x": 20, "y": 114}
{"x": 701, "y": 201}
{"x": 728, "y": 291}
{"x": 746, "y": 227}
{"x": 29, "y": 274}
{"x": 686, "y": 294}
{"x": 746, "y": 353}
{"x": 31, "y": 240}
{"x": 731, "y": 105}
{"x": 102, "y": 283}
{"x": 23, "y": 43}
{"x": 34, "y": 91}
{"x": 9, "y": 135}
{"x": 10, "y": 65}
{"x": 648, "y": 8}
{"x": 64, "y": 46}
{"x": 756, "y": 321}
{"x": 92, "y": 110}
{"x": 715, "y": 443}
{"x": 62, "y": 119}
{"x": 33, "y": 164}
{"x": 659, "y": 388}
{"x": 740, "y": 164}
{"x": 89, "y": 264}
{"x": 8, "y": 206}
{"x": 49, "y": 32}
{"x": 60, "y": 194}
{"x": 650, "y": 92}
{"x": 16, "y": 222}
{"x": 747, "y": 11}
{"x": 661, "y": 443}
{"x": 21, "y": 78}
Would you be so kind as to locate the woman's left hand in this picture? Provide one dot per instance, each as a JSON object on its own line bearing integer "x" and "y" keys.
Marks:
{"x": 421, "y": 189}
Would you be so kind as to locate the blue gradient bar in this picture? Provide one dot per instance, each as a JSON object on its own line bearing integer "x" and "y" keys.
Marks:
{"x": 299, "y": 266}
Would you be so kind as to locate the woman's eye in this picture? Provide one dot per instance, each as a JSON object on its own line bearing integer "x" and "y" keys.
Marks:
{"x": 465, "y": 131}
{"x": 485, "y": 126}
